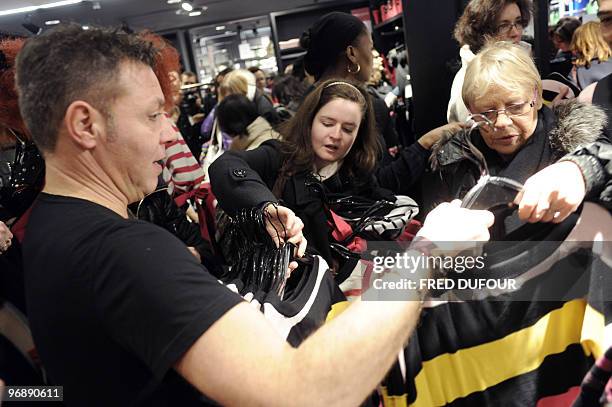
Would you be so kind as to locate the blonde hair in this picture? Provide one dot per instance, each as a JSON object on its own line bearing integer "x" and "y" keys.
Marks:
{"x": 236, "y": 82}
{"x": 588, "y": 43}
{"x": 506, "y": 65}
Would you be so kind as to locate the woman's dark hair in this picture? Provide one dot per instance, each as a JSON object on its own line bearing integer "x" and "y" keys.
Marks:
{"x": 327, "y": 39}
{"x": 254, "y": 69}
{"x": 298, "y": 69}
{"x": 235, "y": 113}
{"x": 565, "y": 28}
{"x": 478, "y": 23}
{"x": 287, "y": 89}
{"x": 297, "y": 144}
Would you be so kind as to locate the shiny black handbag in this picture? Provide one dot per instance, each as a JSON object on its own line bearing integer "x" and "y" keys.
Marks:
{"x": 22, "y": 178}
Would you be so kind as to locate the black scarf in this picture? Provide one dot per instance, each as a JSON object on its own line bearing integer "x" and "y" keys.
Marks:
{"x": 535, "y": 155}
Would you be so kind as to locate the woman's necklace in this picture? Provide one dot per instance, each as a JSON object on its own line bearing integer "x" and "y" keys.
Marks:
{"x": 327, "y": 171}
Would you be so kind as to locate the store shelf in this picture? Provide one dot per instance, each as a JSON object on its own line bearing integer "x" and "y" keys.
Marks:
{"x": 391, "y": 33}
{"x": 293, "y": 50}
{"x": 293, "y": 56}
{"x": 291, "y": 24}
{"x": 389, "y": 21}
{"x": 252, "y": 59}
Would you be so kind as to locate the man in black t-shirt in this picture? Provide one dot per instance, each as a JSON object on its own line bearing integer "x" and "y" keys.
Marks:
{"x": 120, "y": 311}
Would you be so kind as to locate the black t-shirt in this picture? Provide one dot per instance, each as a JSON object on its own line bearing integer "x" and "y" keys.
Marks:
{"x": 114, "y": 304}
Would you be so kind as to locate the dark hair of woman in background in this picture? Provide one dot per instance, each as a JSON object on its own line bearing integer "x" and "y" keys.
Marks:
{"x": 339, "y": 45}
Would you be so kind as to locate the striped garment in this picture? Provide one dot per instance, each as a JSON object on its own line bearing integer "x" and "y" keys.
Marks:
{"x": 182, "y": 172}
{"x": 501, "y": 351}
{"x": 305, "y": 307}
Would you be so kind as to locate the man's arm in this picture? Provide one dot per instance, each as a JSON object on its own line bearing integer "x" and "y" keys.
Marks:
{"x": 239, "y": 360}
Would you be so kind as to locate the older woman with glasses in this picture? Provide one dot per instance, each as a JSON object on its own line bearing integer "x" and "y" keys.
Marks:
{"x": 516, "y": 134}
{"x": 482, "y": 21}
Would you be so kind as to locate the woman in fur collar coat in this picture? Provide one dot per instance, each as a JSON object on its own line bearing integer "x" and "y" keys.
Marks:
{"x": 517, "y": 136}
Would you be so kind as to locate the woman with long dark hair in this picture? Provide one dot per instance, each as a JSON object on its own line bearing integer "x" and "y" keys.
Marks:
{"x": 339, "y": 45}
{"x": 329, "y": 147}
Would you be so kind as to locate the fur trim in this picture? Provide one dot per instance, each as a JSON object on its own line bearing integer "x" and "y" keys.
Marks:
{"x": 436, "y": 149}
{"x": 447, "y": 149}
{"x": 578, "y": 124}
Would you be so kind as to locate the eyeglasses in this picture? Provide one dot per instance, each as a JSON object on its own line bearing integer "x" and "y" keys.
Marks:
{"x": 507, "y": 27}
{"x": 490, "y": 116}
{"x": 605, "y": 19}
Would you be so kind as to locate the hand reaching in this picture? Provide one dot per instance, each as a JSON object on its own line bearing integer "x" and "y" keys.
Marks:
{"x": 284, "y": 226}
{"x": 552, "y": 194}
{"x": 449, "y": 222}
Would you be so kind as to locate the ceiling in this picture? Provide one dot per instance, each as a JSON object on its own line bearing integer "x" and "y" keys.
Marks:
{"x": 155, "y": 15}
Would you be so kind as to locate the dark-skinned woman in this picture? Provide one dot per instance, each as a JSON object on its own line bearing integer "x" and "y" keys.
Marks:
{"x": 339, "y": 45}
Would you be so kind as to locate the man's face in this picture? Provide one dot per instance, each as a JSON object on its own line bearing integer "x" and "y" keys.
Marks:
{"x": 134, "y": 147}
{"x": 188, "y": 79}
{"x": 605, "y": 16}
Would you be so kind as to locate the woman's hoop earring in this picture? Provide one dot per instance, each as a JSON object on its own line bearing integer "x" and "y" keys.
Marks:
{"x": 348, "y": 68}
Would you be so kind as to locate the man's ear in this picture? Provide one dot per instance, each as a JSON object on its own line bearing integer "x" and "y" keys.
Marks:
{"x": 84, "y": 123}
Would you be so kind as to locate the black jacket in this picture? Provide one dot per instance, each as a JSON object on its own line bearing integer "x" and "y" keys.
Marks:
{"x": 595, "y": 161}
{"x": 265, "y": 108}
{"x": 244, "y": 179}
{"x": 384, "y": 121}
{"x": 565, "y": 128}
{"x": 402, "y": 173}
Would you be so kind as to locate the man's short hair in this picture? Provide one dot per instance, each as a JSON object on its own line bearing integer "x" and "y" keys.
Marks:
{"x": 506, "y": 65}
{"x": 69, "y": 63}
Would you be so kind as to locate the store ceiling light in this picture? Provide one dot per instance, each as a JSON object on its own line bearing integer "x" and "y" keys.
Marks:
{"x": 173, "y": 1}
{"x": 42, "y": 6}
{"x": 195, "y": 13}
{"x": 52, "y": 22}
{"x": 86, "y": 27}
{"x": 186, "y": 6}
{"x": 220, "y": 28}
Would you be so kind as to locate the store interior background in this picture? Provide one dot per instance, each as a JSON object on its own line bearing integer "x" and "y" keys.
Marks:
{"x": 214, "y": 34}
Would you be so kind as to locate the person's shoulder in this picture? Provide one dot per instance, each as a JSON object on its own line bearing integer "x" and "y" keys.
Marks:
{"x": 134, "y": 232}
{"x": 68, "y": 217}
{"x": 272, "y": 145}
{"x": 138, "y": 246}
